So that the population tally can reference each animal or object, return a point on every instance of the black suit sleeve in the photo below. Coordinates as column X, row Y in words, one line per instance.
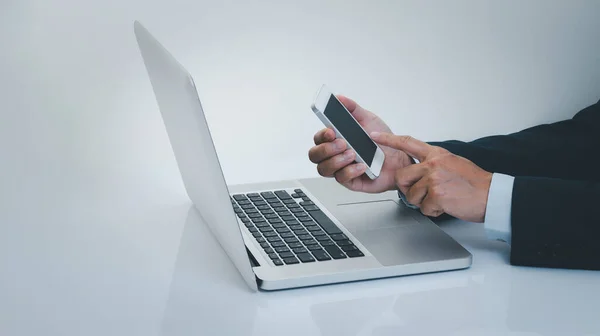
column 555, row 217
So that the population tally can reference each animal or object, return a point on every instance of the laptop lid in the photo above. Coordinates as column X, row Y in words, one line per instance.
column 193, row 148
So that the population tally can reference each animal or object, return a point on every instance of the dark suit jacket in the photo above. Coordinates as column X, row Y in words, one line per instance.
column 555, row 216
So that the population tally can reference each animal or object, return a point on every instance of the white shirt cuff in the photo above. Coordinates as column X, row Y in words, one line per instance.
column 497, row 212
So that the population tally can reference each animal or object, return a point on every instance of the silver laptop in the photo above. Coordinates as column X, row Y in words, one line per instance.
column 296, row 233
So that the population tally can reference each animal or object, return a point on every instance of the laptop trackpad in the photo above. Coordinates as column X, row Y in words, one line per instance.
column 387, row 230
column 368, row 216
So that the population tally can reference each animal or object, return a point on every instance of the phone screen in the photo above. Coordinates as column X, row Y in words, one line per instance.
column 350, row 129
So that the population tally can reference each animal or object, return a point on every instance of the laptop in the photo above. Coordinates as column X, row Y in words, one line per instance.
column 296, row 233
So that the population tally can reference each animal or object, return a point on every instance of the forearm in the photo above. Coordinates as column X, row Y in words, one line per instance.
column 546, row 150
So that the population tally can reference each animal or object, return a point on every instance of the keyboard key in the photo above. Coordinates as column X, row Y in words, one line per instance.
column 311, row 208
column 260, row 240
column 314, row 247
column 299, row 191
column 326, row 223
column 354, row 254
column 305, row 199
column 267, row 194
column 305, row 219
column 250, row 211
column 300, row 232
column 277, row 262
column 267, row 212
column 300, row 250
column 279, row 208
column 295, row 227
column 271, row 216
column 323, row 239
column 274, row 239
column 289, row 201
column 288, row 218
column 238, row 210
column 290, row 261
column 264, row 207
column 282, row 249
column 318, row 233
column 273, row 201
column 313, row 228
column 257, row 220
column 271, row 234
column 296, row 210
column 275, row 221
column 278, row 224
column 264, row 245
column 282, row 194
column 248, row 224
column 293, row 206
column 265, row 229
column 246, row 220
column 327, row 243
column 247, row 206
column 296, row 195
column 344, row 242
column 321, row 255
column 335, row 252
column 256, row 234
column 260, row 203
column 340, row 236
column 278, row 244
column 269, row 250
column 287, row 235
column 305, row 237
column 295, row 245
column 293, row 222
column 283, row 230
column 252, row 229
column 291, row 240
column 262, row 224
column 286, row 255
column 239, row 197
column 255, row 215
column 305, row 203
column 253, row 195
column 273, row 256
column 305, row 257
column 310, row 242
column 349, row 248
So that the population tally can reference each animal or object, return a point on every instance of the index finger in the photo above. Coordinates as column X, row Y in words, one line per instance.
column 411, row 146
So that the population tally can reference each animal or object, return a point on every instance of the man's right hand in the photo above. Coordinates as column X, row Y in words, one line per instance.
column 334, row 159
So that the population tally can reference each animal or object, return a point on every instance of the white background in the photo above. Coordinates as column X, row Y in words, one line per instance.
column 77, row 110
column 95, row 234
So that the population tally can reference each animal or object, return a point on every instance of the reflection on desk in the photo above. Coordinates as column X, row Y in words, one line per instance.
column 207, row 296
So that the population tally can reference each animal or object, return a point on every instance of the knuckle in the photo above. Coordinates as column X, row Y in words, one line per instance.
column 405, row 139
column 437, row 191
column 435, row 177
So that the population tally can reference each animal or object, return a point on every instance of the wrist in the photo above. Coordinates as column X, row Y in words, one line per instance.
column 486, row 182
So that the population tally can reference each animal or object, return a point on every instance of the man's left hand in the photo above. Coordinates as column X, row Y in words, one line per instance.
column 442, row 182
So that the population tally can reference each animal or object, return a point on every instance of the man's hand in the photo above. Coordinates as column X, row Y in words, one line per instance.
column 441, row 182
column 333, row 159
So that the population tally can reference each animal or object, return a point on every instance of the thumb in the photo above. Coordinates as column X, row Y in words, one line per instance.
column 405, row 143
column 359, row 113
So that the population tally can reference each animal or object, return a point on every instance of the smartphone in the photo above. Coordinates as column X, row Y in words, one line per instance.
column 334, row 115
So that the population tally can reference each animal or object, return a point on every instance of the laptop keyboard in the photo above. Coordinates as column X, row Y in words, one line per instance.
column 291, row 229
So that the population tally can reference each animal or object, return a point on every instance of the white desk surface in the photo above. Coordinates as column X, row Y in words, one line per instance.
column 127, row 267
column 96, row 236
